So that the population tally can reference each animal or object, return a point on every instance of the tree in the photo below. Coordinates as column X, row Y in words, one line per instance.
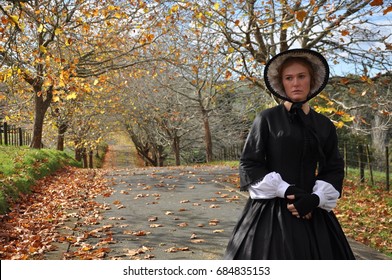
column 368, row 105
column 156, row 118
column 342, row 30
column 48, row 45
column 199, row 68
column 355, row 33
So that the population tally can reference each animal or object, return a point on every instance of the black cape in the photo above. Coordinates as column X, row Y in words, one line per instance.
column 302, row 149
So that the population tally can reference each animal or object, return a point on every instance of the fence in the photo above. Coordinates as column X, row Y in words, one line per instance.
column 363, row 158
column 13, row 136
column 359, row 156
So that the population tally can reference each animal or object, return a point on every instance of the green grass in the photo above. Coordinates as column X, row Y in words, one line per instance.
column 232, row 163
column 379, row 178
column 20, row 167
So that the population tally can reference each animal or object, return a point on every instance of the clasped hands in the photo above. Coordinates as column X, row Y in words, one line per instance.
column 300, row 203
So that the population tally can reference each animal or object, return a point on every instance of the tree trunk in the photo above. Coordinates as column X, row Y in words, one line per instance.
column 90, row 159
column 41, row 106
column 84, row 158
column 78, row 152
column 60, row 137
column 379, row 137
column 207, row 136
column 176, row 149
column 160, row 155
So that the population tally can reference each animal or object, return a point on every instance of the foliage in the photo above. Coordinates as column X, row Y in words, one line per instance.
column 28, row 232
column 77, row 58
column 57, row 50
column 20, row 167
column 365, row 215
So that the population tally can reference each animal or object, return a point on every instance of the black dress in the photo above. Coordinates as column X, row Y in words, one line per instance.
column 302, row 149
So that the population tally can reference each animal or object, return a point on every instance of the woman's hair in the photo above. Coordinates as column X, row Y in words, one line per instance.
column 301, row 60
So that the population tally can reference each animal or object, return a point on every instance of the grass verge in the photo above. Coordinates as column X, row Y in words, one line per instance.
column 20, row 167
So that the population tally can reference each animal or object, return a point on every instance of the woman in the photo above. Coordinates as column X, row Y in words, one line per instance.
column 293, row 171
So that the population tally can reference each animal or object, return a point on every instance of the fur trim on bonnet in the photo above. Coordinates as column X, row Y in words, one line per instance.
column 319, row 65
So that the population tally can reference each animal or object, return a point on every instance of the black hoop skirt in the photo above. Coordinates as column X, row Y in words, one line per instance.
column 267, row 230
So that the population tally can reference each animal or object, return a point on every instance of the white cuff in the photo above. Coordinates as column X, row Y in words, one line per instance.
column 327, row 193
column 271, row 186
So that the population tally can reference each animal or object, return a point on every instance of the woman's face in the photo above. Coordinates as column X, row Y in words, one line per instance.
column 296, row 81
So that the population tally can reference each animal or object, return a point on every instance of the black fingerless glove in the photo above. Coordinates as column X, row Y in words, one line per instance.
column 306, row 204
column 297, row 192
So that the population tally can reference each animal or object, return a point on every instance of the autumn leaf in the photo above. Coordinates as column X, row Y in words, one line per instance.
column 42, row 49
column 345, row 32
column 150, row 37
column 141, row 233
column 41, row 28
column 183, row 224
column 30, row 234
column 300, row 15
column 194, row 236
column 376, row 3
column 213, row 222
column 152, row 219
column 156, row 225
column 387, row 10
column 344, row 81
column 197, row 241
column 71, row 96
column 171, row 250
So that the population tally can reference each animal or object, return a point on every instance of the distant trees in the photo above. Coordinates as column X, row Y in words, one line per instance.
column 49, row 46
column 182, row 77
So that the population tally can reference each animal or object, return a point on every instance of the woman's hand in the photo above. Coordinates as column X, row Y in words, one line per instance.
column 294, row 211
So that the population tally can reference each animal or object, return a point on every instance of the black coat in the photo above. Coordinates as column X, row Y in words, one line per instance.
column 281, row 142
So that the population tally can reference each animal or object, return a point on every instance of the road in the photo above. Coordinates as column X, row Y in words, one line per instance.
column 166, row 213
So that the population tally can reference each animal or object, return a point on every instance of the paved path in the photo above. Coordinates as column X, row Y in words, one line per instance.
column 172, row 213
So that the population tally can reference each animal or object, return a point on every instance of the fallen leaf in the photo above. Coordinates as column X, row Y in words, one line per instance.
column 156, row 225
column 171, row 250
column 183, row 225
column 193, row 236
column 197, row 241
column 153, row 219
column 141, row 233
